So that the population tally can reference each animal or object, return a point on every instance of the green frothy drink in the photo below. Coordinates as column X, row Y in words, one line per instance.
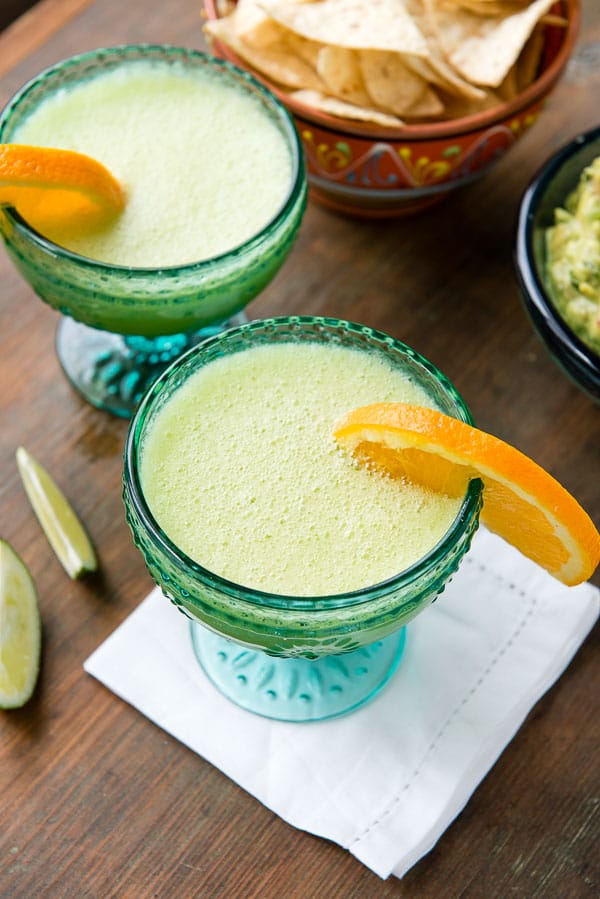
column 240, row 470
column 203, row 164
column 253, row 522
column 216, row 190
column 215, row 184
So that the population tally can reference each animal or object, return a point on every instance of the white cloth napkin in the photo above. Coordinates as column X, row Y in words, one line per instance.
column 384, row 781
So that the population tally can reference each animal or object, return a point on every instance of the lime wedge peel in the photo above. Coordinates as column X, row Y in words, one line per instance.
column 20, row 630
column 62, row 527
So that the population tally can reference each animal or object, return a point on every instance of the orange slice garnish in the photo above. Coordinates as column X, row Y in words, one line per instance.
column 521, row 502
column 48, row 186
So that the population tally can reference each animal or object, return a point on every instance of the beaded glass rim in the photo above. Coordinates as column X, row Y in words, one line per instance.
column 466, row 517
column 139, row 52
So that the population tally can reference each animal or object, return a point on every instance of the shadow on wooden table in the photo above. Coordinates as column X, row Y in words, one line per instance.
column 12, row 9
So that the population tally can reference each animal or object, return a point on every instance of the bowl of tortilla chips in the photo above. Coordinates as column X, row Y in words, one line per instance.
column 399, row 102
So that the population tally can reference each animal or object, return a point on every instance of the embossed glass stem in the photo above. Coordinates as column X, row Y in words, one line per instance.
column 364, row 621
column 147, row 302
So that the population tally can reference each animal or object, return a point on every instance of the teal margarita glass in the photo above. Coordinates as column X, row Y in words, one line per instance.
column 295, row 658
column 123, row 325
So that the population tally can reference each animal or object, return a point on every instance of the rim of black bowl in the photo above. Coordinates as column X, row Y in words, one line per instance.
column 538, row 301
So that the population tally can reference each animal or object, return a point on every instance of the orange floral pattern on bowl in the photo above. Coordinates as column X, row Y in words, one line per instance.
column 403, row 175
column 365, row 170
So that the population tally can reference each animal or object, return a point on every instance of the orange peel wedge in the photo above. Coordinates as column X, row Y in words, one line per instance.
column 522, row 502
column 49, row 186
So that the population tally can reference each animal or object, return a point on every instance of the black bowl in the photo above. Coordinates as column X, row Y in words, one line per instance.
column 549, row 189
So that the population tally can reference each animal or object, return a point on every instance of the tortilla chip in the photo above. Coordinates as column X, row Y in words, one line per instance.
column 224, row 7
column 340, row 70
column 483, row 50
column 277, row 63
column 335, row 107
column 528, row 63
column 435, row 68
column 459, row 107
column 508, row 90
column 488, row 7
column 303, row 48
column 387, row 61
column 395, row 88
column 254, row 26
column 357, row 24
column 428, row 106
column 441, row 75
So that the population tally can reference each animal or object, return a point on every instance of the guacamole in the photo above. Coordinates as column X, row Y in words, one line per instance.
column 573, row 258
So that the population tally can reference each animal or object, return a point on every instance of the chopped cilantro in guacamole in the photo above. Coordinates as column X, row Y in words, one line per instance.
column 573, row 258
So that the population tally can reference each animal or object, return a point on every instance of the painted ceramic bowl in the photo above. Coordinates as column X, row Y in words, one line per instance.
column 375, row 172
column 547, row 191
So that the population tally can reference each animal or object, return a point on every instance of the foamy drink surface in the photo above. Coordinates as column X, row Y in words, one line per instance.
column 204, row 166
column 240, row 470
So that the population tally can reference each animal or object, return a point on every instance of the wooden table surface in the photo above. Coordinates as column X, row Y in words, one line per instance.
column 96, row 801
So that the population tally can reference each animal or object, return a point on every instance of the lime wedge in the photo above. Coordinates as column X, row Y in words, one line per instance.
column 66, row 534
column 20, row 630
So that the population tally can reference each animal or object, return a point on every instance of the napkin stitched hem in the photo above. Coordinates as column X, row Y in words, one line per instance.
column 488, row 652
column 439, row 737
column 368, row 843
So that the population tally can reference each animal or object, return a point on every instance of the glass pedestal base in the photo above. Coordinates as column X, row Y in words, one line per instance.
column 112, row 371
column 296, row 689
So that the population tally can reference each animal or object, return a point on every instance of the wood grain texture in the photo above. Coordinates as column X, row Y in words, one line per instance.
column 98, row 802
column 30, row 29
column 12, row 9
